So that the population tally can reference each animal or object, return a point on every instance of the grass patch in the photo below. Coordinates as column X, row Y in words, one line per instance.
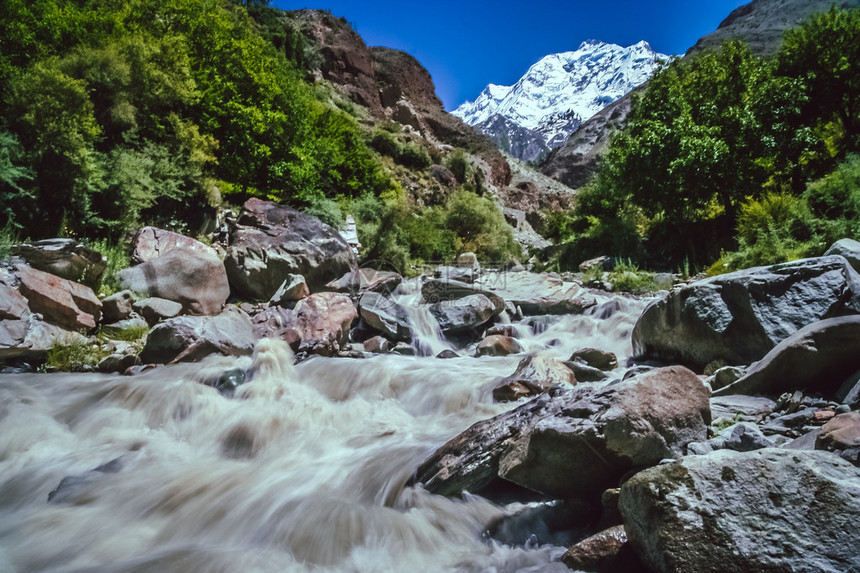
column 74, row 357
column 116, row 257
column 626, row 277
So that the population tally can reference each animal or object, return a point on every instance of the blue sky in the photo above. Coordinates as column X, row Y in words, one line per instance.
column 468, row 44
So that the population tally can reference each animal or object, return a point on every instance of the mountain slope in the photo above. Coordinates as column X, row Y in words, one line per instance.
column 557, row 94
column 760, row 23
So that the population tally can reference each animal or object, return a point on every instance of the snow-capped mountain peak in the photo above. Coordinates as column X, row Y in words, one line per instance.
column 557, row 94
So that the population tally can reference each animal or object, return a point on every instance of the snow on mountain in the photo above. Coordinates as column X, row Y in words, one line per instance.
column 557, row 94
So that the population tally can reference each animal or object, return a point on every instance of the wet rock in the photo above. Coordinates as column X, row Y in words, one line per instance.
column 467, row 313
column 446, row 354
column 154, row 309
column 65, row 258
column 753, row 511
column 117, row 306
column 118, row 362
column 534, row 375
column 293, row 289
column 538, row 293
column 378, row 345
column 152, row 242
column 739, row 317
column 596, row 358
column 75, row 489
column 585, row 373
column 272, row 241
column 816, row 358
column 386, row 316
column 848, row 248
column 547, row 443
column 191, row 338
column 229, row 381
column 603, row 551
column 196, row 279
column 319, row 324
column 497, row 345
column 66, row 303
column 403, row 349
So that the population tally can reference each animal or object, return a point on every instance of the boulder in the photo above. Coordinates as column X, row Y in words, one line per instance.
column 117, row 306
column 378, row 281
column 66, row 303
column 152, row 242
column 849, row 392
column 768, row 510
column 461, row 274
column 595, row 358
column 840, row 433
column 272, row 241
column 603, row 262
column 498, row 345
column 603, row 551
column 848, row 248
column 196, row 279
column 816, row 358
column 115, row 329
column 756, row 407
column 465, row 313
column 574, row 444
column 154, row 309
column 191, row 338
column 538, row 293
column 294, row 288
column 438, row 290
column 386, row 316
column 378, row 345
column 534, row 375
column 468, row 260
column 739, row 317
column 118, row 362
column 584, row 372
column 65, row 258
column 319, row 324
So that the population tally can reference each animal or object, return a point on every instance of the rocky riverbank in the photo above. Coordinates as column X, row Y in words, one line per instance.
column 720, row 432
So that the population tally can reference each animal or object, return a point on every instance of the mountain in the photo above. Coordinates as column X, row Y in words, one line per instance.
column 558, row 93
column 760, row 24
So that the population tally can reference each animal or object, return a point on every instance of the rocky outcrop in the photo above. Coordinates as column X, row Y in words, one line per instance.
column 66, row 303
column 318, row 324
column 191, row 338
column 817, row 359
column 196, row 279
column 65, row 258
column 739, row 317
column 574, row 444
column 151, row 242
column 768, row 510
column 272, row 241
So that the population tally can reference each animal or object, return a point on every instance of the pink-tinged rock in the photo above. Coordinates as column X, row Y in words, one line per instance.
column 599, row 552
column 63, row 302
column 840, row 433
column 152, row 242
column 318, row 324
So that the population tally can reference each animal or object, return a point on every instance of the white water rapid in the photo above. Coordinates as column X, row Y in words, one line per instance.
column 302, row 471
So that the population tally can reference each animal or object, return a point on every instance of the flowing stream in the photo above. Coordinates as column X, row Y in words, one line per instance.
column 303, row 470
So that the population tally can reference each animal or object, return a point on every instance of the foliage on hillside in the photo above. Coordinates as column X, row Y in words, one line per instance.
column 117, row 113
column 720, row 150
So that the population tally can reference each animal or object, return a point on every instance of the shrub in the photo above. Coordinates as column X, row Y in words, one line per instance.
column 327, row 211
column 626, row 277
column 385, row 143
column 458, row 165
column 413, row 157
column 480, row 227
column 835, row 201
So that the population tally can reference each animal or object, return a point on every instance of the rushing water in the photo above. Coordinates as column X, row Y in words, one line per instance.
column 303, row 470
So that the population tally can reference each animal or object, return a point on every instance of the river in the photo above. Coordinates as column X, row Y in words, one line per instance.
column 303, row 470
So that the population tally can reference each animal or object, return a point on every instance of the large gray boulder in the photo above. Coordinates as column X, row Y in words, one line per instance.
column 386, row 316
column 272, row 241
column 191, row 338
column 537, row 293
column 195, row 279
column 574, row 444
column 465, row 313
column 768, row 510
column 848, row 248
column 436, row 290
column 817, row 359
column 738, row 317
column 65, row 258
column 151, row 242
column 318, row 324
